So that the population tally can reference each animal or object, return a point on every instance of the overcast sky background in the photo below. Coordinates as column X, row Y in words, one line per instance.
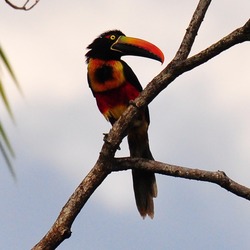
column 201, row 121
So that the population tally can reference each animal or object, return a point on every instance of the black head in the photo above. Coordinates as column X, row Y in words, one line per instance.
column 101, row 46
column 111, row 45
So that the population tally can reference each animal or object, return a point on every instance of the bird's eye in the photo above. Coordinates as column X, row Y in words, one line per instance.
column 112, row 37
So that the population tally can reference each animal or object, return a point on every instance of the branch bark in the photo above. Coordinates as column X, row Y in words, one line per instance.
column 61, row 228
column 192, row 30
column 217, row 177
column 106, row 162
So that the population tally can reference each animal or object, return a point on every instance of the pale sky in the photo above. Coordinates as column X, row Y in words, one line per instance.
column 200, row 121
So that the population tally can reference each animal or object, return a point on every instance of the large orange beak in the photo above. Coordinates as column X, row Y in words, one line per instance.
column 137, row 47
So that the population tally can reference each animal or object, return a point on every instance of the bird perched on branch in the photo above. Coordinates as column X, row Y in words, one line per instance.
column 114, row 85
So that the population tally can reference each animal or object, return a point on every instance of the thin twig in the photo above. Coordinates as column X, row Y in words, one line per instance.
column 238, row 36
column 192, row 30
column 24, row 6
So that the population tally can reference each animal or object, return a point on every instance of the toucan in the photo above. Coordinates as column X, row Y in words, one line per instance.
column 114, row 85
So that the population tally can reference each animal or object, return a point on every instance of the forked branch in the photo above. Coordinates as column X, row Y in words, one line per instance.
column 26, row 6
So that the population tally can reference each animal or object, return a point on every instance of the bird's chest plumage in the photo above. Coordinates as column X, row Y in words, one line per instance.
column 105, row 75
column 110, row 87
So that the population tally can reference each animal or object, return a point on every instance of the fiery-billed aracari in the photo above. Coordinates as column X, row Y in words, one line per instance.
column 114, row 85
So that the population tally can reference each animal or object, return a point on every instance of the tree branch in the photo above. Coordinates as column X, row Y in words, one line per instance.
column 239, row 35
column 24, row 6
column 61, row 228
column 192, row 30
column 177, row 67
column 106, row 162
column 218, row 177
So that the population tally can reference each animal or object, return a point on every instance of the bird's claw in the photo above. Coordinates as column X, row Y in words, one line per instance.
column 132, row 102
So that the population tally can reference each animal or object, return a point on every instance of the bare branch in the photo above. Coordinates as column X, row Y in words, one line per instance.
column 192, row 30
column 177, row 67
column 237, row 36
column 218, row 177
column 61, row 228
column 24, row 6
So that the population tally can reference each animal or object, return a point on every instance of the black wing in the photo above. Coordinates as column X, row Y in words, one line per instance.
column 132, row 78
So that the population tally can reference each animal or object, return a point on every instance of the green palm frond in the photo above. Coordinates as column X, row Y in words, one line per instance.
column 6, row 63
column 4, row 142
column 5, row 100
column 6, row 149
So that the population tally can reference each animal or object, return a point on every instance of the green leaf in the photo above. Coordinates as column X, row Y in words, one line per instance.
column 6, row 140
column 4, row 153
column 6, row 149
column 7, row 160
column 5, row 100
column 9, row 69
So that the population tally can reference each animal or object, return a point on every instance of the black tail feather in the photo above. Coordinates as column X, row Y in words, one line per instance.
column 144, row 182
